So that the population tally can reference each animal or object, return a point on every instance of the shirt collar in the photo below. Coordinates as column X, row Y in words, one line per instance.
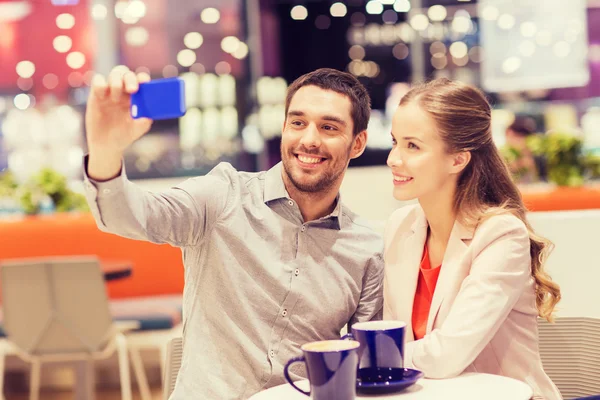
column 274, row 189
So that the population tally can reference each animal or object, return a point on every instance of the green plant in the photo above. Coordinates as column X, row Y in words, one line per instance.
column 45, row 184
column 8, row 184
column 513, row 157
column 592, row 164
column 564, row 157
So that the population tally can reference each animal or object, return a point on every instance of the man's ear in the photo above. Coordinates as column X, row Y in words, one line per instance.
column 460, row 161
column 359, row 144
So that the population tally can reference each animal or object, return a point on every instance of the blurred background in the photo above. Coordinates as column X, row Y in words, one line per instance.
column 539, row 66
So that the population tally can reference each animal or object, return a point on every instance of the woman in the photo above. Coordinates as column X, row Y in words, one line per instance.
column 464, row 269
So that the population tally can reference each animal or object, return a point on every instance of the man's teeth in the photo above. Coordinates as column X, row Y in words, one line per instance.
column 401, row 178
column 309, row 160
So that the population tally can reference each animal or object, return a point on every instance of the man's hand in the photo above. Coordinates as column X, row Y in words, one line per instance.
column 109, row 126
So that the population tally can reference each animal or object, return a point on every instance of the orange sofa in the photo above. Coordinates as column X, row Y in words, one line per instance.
column 156, row 269
column 561, row 198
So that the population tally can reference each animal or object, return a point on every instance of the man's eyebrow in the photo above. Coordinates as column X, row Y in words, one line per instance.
column 334, row 119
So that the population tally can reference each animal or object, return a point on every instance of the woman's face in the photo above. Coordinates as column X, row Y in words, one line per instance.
column 420, row 165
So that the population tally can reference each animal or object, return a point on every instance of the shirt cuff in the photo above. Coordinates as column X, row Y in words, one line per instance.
column 108, row 188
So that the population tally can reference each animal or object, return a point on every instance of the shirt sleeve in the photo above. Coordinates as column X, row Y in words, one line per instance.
column 180, row 216
column 370, row 306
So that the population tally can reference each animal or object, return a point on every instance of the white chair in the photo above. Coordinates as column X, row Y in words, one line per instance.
column 56, row 310
column 172, row 366
column 151, row 338
column 570, row 351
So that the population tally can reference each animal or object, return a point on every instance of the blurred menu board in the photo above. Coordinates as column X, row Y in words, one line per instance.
column 533, row 44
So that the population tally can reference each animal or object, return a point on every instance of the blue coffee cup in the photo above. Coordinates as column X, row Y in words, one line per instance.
column 331, row 366
column 381, row 343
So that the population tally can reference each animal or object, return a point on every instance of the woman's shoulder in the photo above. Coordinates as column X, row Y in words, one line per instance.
column 501, row 226
column 503, row 222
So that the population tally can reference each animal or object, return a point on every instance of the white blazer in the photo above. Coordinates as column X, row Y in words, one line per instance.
column 483, row 315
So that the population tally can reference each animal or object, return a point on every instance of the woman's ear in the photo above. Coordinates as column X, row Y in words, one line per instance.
column 460, row 161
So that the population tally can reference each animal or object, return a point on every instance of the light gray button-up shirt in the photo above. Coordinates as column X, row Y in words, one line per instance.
column 259, row 281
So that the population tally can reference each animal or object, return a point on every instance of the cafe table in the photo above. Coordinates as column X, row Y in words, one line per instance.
column 468, row 386
column 114, row 270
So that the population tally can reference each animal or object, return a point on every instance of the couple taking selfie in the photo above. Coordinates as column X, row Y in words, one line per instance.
column 274, row 260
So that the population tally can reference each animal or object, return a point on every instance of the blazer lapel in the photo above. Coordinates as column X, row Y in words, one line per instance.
column 454, row 252
column 406, row 275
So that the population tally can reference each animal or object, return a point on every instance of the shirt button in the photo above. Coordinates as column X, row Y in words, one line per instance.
column 296, row 272
column 303, row 228
column 106, row 191
column 291, row 203
column 272, row 354
column 284, row 313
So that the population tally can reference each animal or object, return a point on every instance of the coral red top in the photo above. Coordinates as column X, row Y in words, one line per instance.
column 425, row 287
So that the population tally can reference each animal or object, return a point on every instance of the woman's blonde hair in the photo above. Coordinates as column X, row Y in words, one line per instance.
column 485, row 187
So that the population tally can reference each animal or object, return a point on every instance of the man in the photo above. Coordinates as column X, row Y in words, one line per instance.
column 526, row 167
column 272, row 259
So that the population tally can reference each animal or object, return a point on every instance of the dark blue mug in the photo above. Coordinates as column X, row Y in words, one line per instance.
column 381, row 343
column 331, row 366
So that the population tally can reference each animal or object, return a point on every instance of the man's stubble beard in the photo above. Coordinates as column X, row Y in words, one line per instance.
column 328, row 179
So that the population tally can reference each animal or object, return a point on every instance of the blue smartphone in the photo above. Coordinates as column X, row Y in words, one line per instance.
column 159, row 99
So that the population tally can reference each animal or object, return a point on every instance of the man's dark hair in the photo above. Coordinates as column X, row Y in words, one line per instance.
column 340, row 82
column 523, row 125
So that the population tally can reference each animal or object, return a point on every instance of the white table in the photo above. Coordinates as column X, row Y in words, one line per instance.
column 468, row 386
